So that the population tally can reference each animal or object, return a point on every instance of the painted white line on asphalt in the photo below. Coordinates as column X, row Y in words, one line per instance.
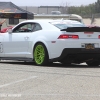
column 8, row 84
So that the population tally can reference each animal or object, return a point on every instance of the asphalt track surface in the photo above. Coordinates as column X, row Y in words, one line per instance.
column 25, row 81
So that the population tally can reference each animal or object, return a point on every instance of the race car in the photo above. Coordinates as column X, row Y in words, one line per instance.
column 44, row 41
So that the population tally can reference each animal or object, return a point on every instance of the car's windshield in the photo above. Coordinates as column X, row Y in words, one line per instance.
column 63, row 26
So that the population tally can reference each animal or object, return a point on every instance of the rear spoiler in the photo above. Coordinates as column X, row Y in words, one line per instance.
column 82, row 29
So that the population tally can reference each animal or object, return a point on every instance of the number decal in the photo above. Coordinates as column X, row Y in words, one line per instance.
column 1, row 48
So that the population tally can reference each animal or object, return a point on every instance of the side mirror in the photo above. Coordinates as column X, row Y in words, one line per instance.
column 9, row 31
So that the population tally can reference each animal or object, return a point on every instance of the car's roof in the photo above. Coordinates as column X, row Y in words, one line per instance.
column 52, row 21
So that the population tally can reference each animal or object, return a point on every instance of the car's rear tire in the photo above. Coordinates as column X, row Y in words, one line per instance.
column 40, row 54
column 93, row 63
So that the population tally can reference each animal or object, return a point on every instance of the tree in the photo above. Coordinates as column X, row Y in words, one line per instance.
column 65, row 7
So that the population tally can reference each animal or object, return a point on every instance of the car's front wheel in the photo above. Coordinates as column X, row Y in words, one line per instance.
column 40, row 54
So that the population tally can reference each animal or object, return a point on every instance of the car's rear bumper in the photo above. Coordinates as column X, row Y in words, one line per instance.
column 78, row 55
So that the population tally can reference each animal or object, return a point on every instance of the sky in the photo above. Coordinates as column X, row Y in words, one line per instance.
column 50, row 2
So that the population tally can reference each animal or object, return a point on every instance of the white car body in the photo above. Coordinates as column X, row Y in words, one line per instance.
column 20, row 45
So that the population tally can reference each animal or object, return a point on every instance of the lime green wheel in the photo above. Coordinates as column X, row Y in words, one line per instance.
column 40, row 54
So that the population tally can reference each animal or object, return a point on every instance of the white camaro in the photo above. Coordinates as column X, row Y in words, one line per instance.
column 45, row 41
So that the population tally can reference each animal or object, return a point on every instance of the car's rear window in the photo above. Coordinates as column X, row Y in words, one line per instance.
column 63, row 26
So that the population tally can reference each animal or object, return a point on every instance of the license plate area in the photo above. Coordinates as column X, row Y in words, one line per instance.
column 89, row 46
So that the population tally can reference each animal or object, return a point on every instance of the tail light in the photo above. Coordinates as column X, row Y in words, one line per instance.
column 99, row 37
column 65, row 36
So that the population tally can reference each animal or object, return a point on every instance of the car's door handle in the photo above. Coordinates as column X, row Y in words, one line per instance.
column 26, row 38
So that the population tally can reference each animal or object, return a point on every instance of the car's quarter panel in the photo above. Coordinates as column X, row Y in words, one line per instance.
column 44, row 37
